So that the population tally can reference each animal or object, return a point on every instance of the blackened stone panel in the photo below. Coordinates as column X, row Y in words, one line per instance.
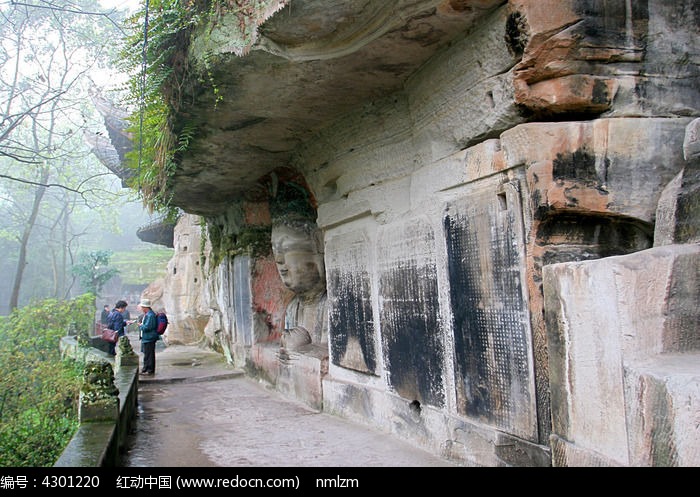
column 243, row 300
column 350, row 321
column 411, row 333
column 493, row 352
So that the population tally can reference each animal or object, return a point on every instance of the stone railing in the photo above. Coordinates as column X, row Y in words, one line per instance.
column 108, row 402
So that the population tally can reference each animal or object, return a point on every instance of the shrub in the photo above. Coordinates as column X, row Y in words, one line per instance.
column 39, row 390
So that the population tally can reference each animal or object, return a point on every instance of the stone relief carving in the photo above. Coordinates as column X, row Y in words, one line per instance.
column 297, row 246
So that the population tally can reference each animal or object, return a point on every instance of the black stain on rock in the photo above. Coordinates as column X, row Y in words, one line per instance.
column 601, row 95
column 351, row 319
column 411, row 332
column 517, row 33
column 490, row 330
column 576, row 166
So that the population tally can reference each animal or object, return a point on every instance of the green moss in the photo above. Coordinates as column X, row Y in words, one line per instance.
column 165, row 75
column 98, row 382
column 253, row 240
column 229, row 235
column 250, row 240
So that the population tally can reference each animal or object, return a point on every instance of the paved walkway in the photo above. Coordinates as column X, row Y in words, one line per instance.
column 198, row 411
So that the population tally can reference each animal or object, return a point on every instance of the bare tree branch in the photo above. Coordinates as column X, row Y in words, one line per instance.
column 52, row 6
column 35, row 183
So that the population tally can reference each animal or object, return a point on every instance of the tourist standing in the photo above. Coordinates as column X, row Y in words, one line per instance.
column 104, row 315
column 149, row 338
column 115, row 321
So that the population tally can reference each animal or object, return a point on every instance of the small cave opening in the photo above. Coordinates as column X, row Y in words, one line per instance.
column 415, row 408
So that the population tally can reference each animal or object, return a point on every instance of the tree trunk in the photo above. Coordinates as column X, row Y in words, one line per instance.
column 22, row 260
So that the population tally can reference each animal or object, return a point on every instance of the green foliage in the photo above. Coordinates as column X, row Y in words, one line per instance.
column 39, row 391
column 291, row 199
column 93, row 271
column 162, row 77
column 139, row 266
column 155, row 91
column 253, row 240
column 250, row 239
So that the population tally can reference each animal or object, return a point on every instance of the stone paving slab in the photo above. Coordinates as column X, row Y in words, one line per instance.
column 198, row 411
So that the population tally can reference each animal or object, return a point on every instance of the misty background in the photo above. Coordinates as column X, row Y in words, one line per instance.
column 60, row 198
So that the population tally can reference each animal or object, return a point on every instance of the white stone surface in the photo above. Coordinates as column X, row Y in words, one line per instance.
column 616, row 323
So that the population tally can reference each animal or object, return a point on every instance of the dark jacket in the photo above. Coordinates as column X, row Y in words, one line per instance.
column 148, row 328
column 115, row 321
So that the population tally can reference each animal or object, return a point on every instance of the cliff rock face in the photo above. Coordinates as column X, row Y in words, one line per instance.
column 181, row 292
column 508, row 195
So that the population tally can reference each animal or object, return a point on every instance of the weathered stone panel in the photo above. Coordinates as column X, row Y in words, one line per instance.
column 623, row 352
column 493, row 352
column 464, row 95
column 376, row 133
column 412, row 335
column 616, row 166
column 679, row 206
column 670, row 75
column 664, row 411
column 243, row 300
column 351, row 321
column 587, row 56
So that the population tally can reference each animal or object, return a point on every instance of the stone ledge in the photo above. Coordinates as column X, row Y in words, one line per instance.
column 297, row 374
column 93, row 445
column 99, row 444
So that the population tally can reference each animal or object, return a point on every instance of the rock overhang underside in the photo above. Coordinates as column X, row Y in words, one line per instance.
column 312, row 62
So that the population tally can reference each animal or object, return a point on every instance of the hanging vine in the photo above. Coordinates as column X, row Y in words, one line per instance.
column 161, row 75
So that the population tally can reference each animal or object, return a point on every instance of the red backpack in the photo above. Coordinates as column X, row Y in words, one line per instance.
column 161, row 322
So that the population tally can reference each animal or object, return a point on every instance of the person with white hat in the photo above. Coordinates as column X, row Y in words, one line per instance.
column 149, row 337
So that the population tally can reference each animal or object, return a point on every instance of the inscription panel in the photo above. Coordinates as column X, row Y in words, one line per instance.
column 412, row 337
column 242, row 300
column 350, row 320
column 493, row 352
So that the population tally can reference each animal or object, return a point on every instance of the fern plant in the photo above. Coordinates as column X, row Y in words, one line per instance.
column 158, row 60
